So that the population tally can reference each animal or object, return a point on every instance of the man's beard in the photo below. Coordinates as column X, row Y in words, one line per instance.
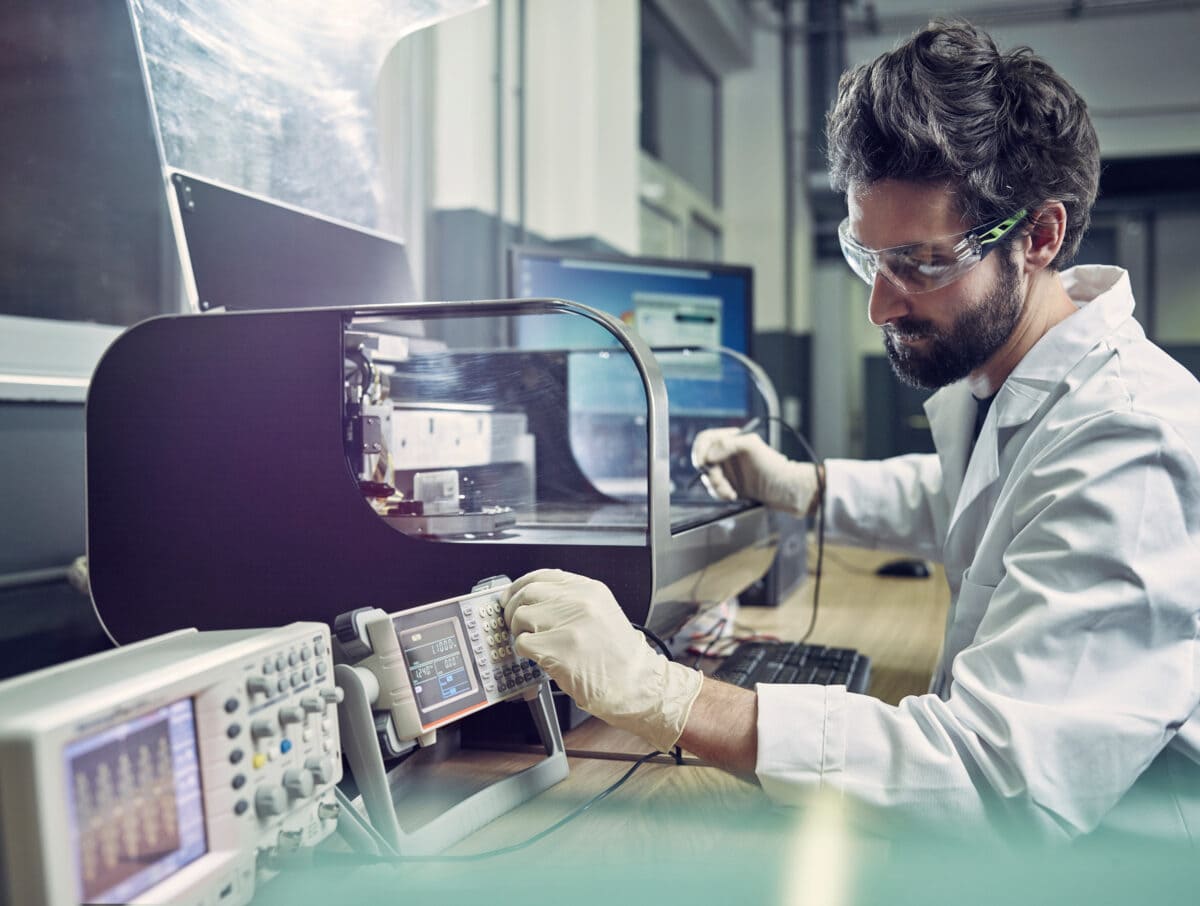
column 946, row 356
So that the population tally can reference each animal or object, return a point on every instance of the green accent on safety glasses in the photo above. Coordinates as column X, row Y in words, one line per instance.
column 1002, row 229
column 921, row 267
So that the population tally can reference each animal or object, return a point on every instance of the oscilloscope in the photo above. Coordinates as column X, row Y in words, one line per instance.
column 164, row 771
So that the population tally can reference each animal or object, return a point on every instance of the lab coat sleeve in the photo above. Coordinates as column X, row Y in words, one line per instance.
column 894, row 503
column 1084, row 664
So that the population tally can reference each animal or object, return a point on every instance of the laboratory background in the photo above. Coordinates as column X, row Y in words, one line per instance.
column 661, row 162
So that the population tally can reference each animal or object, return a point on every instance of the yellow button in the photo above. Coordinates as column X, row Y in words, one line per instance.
column 259, row 760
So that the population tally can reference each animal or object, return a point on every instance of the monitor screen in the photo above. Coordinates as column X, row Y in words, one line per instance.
column 667, row 303
column 134, row 803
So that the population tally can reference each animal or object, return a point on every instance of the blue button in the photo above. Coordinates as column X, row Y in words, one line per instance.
column 285, row 746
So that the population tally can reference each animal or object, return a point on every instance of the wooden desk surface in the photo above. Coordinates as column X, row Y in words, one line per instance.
column 898, row 622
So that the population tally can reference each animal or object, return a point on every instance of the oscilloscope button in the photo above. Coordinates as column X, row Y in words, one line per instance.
column 239, row 807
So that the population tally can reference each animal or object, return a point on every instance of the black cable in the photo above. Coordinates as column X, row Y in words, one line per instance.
column 333, row 858
column 659, row 643
column 819, row 465
column 715, row 636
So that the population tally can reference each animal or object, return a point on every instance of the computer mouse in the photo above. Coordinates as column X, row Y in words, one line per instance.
column 906, row 568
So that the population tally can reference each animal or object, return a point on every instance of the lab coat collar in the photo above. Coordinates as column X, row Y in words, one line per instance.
column 1105, row 303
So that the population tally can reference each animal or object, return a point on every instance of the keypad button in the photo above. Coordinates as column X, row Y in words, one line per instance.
column 321, row 668
column 285, row 746
column 239, row 781
column 231, row 705
column 268, row 666
column 308, row 674
column 239, row 807
column 283, row 684
column 280, row 662
column 319, row 645
column 305, row 653
column 233, row 730
column 235, row 756
column 296, row 680
column 292, row 659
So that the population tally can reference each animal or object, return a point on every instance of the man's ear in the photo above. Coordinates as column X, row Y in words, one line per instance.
column 1048, row 227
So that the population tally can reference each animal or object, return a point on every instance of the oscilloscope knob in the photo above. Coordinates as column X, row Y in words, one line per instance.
column 270, row 800
column 298, row 783
column 320, row 768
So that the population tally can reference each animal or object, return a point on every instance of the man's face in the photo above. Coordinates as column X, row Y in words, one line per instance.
column 939, row 337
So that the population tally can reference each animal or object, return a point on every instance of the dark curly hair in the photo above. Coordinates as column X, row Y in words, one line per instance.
column 1005, row 130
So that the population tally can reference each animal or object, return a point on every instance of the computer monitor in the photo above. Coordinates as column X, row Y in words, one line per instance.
column 668, row 303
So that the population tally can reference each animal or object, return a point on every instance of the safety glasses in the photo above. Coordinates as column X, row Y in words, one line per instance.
column 925, row 266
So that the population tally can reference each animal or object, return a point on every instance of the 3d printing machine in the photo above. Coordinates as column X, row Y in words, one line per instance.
column 261, row 467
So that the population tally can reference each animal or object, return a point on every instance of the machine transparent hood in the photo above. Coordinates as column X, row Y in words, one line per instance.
column 535, row 425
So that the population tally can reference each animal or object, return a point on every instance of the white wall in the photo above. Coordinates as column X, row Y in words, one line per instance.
column 581, row 117
column 752, row 180
column 463, row 115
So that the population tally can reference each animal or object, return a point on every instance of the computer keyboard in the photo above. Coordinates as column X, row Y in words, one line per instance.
column 794, row 662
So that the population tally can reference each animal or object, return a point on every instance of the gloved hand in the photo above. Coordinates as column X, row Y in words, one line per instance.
column 737, row 465
column 574, row 629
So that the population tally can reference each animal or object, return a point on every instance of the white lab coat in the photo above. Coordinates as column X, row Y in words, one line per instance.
column 1067, row 691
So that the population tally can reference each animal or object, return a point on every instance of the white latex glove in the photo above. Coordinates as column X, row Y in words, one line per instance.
column 574, row 629
column 737, row 465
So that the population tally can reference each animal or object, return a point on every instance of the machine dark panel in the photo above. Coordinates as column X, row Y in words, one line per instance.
column 248, row 252
column 220, row 496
